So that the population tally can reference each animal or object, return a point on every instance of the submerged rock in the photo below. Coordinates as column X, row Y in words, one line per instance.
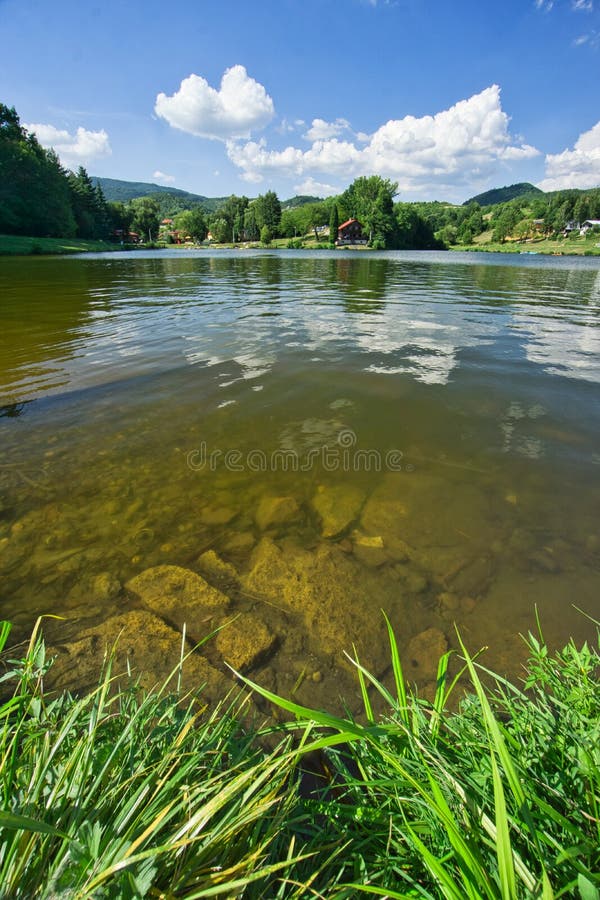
column 217, row 515
column 105, row 586
column 338, row 507
column 474, row 578
column 217, row 571
column 369, row 550
column 424, row 651
column 245, row 642
column 333, row 594
column 239, row 542
column 181, row 596
column 143, row 645
column 273, row 512
column 430, row 518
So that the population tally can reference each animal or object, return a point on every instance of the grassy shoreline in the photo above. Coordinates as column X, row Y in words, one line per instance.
column 560, row 246
column 17, row 245
column 120, row 794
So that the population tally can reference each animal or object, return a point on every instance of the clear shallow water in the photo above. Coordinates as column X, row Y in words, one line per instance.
column 447, row 405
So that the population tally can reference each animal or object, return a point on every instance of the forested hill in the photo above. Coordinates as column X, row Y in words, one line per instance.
column 504, row 194
column 122, row 191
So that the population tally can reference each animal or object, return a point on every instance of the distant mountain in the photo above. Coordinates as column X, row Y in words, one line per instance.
column 172, row 200
column 114, row 189
column 299, row 200
column 122, row 191
column 503, row 194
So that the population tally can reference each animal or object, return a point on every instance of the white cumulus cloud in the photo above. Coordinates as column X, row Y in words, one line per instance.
column 73, row 149
column 312, row 188
column 162, row 176
column 458, row 146
column 239, row 107
column 576, row 168
column 320, row 130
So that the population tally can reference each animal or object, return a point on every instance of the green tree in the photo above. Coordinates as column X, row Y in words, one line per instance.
column 334, row 223
column 220, row 230
column 251, row 229
column 506, row 222
column 34, row 191
column 146, row 217
column 232, row 211
column 371, row 201
column 192, row 222
column 120, row 217
column 265, row 235
column 89, row 206
column 267, row 210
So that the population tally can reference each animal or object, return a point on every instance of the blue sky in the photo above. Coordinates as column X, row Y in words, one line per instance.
column 301, row 96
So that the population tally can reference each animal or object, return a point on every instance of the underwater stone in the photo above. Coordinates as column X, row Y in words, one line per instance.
column 369, row 550
column 239, row 542
column 245, row 642
column 217, row 570
column 173, row 589
column 424, row 651
column 274, row 512
column 105, row 586
column 217, row 515
column 145, row 644
column 338, row 507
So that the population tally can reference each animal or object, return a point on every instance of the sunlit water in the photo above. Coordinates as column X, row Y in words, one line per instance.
column 447, row 405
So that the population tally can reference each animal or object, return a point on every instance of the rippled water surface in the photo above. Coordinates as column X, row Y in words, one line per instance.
column 428, row 422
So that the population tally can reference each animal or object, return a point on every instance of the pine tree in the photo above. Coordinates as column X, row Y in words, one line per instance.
column 334, row 224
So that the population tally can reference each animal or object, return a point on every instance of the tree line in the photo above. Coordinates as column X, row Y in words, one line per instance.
column 522, row 218
column 39, row 197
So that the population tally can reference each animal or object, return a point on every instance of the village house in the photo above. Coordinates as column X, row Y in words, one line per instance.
column 126, row 237
column 588, row 225
column 350, row 232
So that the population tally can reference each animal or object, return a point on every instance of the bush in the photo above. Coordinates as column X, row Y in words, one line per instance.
column 265, row 235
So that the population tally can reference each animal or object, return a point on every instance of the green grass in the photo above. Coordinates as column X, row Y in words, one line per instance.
column 576, row 246
column 16, row 245
column 118, row 794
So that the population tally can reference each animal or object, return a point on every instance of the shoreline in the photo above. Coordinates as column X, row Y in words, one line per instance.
column 20, row 245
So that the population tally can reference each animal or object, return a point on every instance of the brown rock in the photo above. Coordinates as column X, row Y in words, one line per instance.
column 217, row 571
column 338, row 507
column 423, row 653
column 474, row 578
column 273, row 512
column 545, row 561
column 217, row 515
column 144, row 645
column 105, row 586
column 244, row 642
column 448, row 602
column 369, row 550
column 239, row 542
column 330, row 591
column 180, row 596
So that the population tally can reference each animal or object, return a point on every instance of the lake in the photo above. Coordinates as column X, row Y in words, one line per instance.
column 321, row 436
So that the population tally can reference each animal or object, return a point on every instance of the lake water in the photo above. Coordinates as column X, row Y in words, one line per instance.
column 415, row 433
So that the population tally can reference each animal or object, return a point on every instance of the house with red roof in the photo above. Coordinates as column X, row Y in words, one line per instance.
column 350, row 232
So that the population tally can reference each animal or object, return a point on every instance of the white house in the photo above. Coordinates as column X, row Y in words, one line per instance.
column 588, row 225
